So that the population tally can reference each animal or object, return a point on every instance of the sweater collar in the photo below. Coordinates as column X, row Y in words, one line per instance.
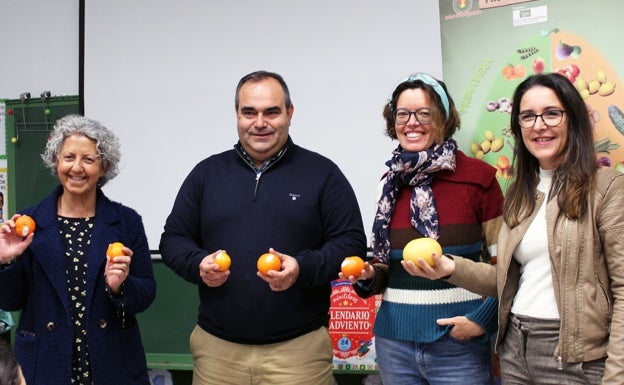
column 267, row 163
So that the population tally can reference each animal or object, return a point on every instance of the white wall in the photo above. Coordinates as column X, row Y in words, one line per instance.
column 162, row 75
column 39, row 47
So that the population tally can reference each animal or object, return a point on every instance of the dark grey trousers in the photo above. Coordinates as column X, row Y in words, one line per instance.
column 527, row 356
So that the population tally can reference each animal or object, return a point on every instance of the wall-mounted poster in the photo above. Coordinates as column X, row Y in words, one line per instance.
column 489, row 47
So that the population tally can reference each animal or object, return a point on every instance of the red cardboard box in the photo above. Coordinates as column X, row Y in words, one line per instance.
column 351, row 328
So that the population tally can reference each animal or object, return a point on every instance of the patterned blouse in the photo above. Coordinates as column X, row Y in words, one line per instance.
column 76, row 234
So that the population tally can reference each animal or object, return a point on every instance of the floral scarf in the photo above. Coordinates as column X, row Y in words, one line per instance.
column 415, row 169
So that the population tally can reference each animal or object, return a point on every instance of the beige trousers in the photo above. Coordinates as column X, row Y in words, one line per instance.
column 305, row 360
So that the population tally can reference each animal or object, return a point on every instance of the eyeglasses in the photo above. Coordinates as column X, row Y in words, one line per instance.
column 551, row 118
column 422, row 115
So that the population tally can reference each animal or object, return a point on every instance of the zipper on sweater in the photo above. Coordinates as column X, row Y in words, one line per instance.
column 256, row 171
column 559, row 363
column 255, row 194
column 262, row 170
column 259, row 174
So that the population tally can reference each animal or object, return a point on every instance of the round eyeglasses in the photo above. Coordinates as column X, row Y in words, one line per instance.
column 551, row 118
column 403, row 115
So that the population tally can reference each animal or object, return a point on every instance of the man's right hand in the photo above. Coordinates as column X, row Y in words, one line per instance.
column 209, row 271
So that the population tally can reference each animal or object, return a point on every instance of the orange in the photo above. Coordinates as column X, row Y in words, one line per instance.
column 115, row 249
column 352, row 266
column 24, row 225
column 509, row 72
column 268, row 261
column 519, row 71
column 223, row 260
column 422, row 248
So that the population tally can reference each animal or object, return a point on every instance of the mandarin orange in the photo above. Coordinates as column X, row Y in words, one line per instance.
column 223, row 260
column 267, row 262
column 24, row 225
column 115, row 249
column 352, row 266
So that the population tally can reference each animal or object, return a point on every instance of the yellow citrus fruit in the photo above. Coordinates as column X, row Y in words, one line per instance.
column 223, row 260
column 115, row 249
column 422, row 248
column 352, row 266
column 24, row 225
column 268, row 261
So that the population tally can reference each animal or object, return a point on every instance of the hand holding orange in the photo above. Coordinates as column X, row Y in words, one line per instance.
column 422, row 248
column 267, row 262
column 115, row 249
column 24, row 225
column 352, row 266
column 223, row 260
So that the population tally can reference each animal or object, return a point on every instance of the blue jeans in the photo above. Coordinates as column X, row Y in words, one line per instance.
column 447, row 361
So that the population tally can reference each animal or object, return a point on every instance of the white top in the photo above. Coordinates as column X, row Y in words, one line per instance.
column 536, row 296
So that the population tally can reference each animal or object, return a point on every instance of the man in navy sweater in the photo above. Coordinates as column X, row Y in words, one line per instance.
column 265, row 195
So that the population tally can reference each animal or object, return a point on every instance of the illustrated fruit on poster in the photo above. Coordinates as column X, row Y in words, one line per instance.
column 598, row 85
column 570, row 71
column 617, row 118
column 501, row 105
column 509, row 72
column 514, row 71
column 563, row 51
column 550, row 51
column 489, row 143
column 538, row 65
column 597, row 82
column 520, row 71
column 503, row 167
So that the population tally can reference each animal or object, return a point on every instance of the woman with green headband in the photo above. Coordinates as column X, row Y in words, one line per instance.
column 431, row 332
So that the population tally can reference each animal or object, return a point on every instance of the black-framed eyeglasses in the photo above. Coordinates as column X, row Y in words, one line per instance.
column 551, row 118
column 422, row 115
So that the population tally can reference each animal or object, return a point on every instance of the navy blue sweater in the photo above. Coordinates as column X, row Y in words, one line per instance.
column 302, row 205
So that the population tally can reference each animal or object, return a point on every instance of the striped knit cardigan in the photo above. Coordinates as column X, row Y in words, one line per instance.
column 469, row 203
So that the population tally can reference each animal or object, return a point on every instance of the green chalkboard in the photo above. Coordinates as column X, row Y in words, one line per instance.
column 167, row 324
column 28, row 123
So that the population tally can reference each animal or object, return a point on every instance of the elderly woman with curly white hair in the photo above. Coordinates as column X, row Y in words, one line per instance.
column 77, row 323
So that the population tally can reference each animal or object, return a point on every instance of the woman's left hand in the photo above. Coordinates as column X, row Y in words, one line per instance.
column 463, row 328
column 117, row 271
column 443, row 267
